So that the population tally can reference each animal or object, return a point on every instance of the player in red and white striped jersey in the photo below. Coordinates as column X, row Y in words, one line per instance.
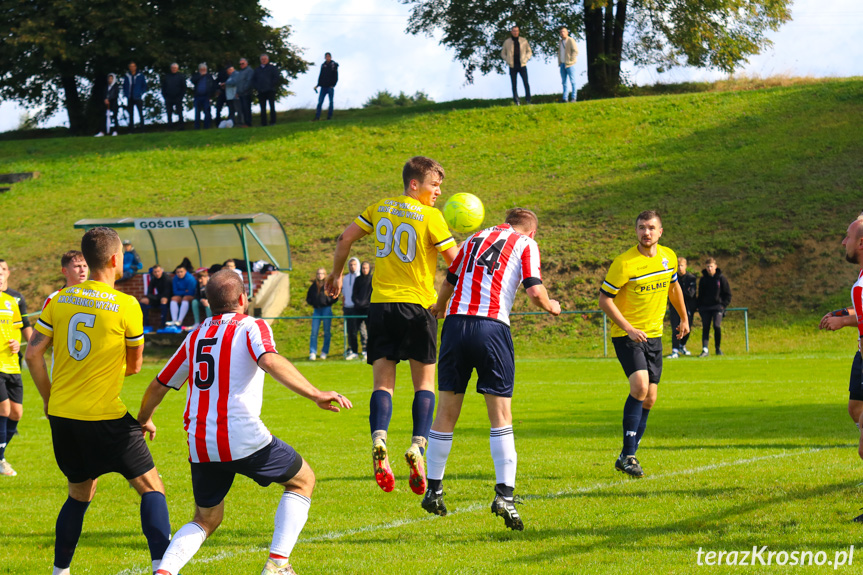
column 224, row 361
column 477, row 297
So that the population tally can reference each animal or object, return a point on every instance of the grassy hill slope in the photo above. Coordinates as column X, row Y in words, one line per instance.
column 765, row 180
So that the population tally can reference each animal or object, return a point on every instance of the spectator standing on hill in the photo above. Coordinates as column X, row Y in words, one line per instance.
column 327, row 80
column 231, row 101
column 714, row 295
column 221, row 97
column 516, row 52
column 242, row 80
column 567, row 54
column 112, row 93
column 173, row 91
column 362, row 297
column 183, row 289
column 134, row 88
column 158, row 293
column 323, row 313
column 689, row 284
column 204, row 87
column 201, row 299
column 348, row 285
column 267, row 79
column 131, row 261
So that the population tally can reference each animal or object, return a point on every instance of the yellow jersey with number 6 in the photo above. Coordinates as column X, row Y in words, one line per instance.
column 92, row 325
column 408, row 236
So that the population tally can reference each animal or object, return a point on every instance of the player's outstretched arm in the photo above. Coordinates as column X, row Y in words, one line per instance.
column 285, row 373
column 607, row 305
column 153, row 396
column 134, row 359
column 838, row 318
column 539, row 297
column 333, row 283
column 35, row 356
column 675, row 296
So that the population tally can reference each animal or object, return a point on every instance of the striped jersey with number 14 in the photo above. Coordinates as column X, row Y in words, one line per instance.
column 226, row 386
column 487, row 270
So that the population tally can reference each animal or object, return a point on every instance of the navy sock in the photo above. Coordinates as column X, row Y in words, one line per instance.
column 155, row 523
column 3, row 436
column 423, row 414
column 145, row 310
column 69, row 524
column 641, row 426
column 11, row 430
column 164, row 309
column 631, row 419
column 380, row 410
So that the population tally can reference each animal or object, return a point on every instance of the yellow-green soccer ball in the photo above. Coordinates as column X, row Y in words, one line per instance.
column 464, row 212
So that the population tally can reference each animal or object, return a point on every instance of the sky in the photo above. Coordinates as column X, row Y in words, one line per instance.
column 368, row 40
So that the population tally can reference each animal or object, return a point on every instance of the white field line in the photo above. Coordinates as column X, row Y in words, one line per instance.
column 334, row 535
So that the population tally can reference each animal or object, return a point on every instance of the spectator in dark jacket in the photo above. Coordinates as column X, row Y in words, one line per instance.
column 242, row 80
column 221, row 98
column 267, row 79
column 204, row 87
column 362, row 297
column 714, row 295
column 112, row 94
column 173, row 91
column 184, row 288
column 323, row 312
column 157, row 293
column 327, row 80
column 134, row 88
column 201, row 297
column 689, row 284
column 131, row 261
column 349, row 308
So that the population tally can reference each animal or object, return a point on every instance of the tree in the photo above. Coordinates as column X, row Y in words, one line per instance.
column 57, row 53
column 719, row 34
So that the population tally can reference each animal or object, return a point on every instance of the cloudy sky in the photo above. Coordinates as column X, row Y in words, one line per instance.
column 367, row 39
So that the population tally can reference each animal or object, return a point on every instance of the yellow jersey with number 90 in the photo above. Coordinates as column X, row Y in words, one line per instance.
column 92, row 325
column 408, row 237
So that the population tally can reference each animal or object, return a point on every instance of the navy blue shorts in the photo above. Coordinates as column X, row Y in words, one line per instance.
column 855, row 385
column 276, row 463
column 636, row 356
column 470, row 342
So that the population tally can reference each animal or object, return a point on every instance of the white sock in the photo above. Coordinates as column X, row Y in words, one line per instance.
column 502, row 443
column 58, row 571
column 290, row 518
column 184, row 544
column 437, row 453
column 184, row 309
column 174, row 310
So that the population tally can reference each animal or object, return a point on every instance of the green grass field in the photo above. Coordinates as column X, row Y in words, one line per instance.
column 739, row 451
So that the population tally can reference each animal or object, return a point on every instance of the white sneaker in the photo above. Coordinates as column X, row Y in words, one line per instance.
column 323, row 356
column 673, row 355
column 113, row 133
column 272, row 569
column 6, row 469
column 704, row 352
column 685, row 351
column 365, row 356
column 312, row 357
column 99, row 135
column 351, row 356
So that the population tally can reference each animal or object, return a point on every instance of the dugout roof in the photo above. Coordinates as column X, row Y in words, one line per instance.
column 205, row 240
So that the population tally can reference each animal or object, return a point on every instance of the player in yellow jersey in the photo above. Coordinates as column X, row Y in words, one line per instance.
column 11, row 387
column 99, row 339
column 634, row 295
column 409, row 233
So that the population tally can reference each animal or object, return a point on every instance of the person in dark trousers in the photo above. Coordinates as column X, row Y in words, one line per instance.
column 327, row 80
column 362, row 297
column 159, row 291
column 134, row 88
column 266, row 81
column 112, row 94
column 714, row 296
column 348, row 283
column 323, row 313
column 221, row 97
column 689, row 285
column 173, row 91
column 204, row 87
column 516, row 52
column 243, row 78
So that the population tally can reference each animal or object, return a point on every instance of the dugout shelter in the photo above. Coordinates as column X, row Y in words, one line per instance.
column 205, row 240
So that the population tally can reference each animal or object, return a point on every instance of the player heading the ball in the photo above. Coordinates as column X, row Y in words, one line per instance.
column 634, row 295
column 409, row 232
column 224, row 361
column 477, row 297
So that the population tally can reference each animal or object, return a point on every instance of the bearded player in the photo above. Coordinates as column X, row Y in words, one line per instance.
column 634, row 295
column 409, row 234
column 477, row 297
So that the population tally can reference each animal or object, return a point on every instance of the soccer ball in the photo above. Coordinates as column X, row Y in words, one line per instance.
column 464, row 212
